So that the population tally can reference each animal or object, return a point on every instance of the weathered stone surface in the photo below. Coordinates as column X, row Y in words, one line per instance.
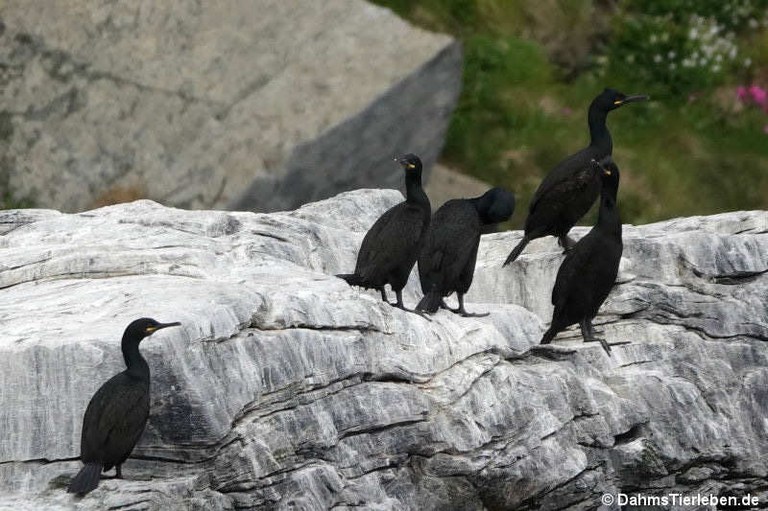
column 258, row 105
column 286, row 389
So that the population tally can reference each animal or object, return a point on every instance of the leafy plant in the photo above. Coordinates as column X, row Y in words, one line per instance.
column 674, row 47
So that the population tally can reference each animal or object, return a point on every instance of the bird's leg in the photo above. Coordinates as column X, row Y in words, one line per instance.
column 383, row 294
column 566, row 242
column 587, row 330
column 588, row 333
column 594, row 331
column 444, row 305
column 463, row 312
column 400, row 305
column 118, row 474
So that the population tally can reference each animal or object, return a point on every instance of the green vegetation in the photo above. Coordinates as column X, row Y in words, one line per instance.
column 532, row 67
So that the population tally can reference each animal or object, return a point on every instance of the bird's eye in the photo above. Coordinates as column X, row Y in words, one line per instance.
column 411, row 166
column 618, row 102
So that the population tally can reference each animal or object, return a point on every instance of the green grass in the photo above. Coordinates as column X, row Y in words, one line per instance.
column 522, row 110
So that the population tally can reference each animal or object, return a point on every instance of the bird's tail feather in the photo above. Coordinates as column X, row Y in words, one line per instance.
column 86, row 480
column 351, row 278
column 430, row 303
column 548, row 336
column 517, row 250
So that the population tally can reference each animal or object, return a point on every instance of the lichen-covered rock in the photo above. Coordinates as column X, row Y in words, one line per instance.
column 262, row 105
column 287, row 389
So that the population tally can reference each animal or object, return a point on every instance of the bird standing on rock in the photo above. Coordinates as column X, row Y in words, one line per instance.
column 589, row 270
column 570, row 189
column 391, row 246
column 447, row 259
column 117, row 413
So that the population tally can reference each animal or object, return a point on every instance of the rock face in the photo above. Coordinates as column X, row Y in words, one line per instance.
column 258, row 105
column 287, row 389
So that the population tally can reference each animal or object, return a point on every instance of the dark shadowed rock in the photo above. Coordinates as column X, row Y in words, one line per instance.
column 258, row 105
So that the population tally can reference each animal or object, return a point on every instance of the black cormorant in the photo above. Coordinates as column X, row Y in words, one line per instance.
column 589, row 270
column 391, row 246
column 447, row 259
column 118, row 411
column 570, row 189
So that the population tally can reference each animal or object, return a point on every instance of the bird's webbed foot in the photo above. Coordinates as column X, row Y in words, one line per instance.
column 413, row 311
column 464, row 314
column 461, row 311
column 399, row 305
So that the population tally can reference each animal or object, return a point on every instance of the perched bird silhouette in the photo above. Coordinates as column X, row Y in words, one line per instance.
column 589, row 269
column 391, row 246
column 117, row 413
column 570, row 189
column 447, row 259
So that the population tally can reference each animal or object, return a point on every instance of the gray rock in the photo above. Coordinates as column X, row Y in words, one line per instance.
column 287, row 389
column 258, row 105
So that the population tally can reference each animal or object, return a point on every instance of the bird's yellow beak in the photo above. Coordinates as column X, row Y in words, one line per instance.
column 153, row 329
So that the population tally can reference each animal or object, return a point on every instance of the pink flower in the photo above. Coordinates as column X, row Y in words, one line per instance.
column 741, row 93
column 759, row 95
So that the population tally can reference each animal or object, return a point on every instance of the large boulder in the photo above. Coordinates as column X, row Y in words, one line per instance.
column 259, row 105
column 287, row 389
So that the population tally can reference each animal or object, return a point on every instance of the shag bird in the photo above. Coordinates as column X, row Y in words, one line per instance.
column 447, row 259
column 589, row 270
column 570, row 189
column 391, row 246
column 118, row 411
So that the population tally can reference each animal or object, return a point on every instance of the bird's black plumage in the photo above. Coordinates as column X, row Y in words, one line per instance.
column 589, row 270
column 117, row 413
column 391, row 246
column 447, row 259
column 570, row 189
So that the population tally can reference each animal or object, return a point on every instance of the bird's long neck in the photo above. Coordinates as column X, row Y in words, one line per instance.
column 608, row 218
column 481, row 206
column 414, row 193
column 598, row 131
column 137, row 366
